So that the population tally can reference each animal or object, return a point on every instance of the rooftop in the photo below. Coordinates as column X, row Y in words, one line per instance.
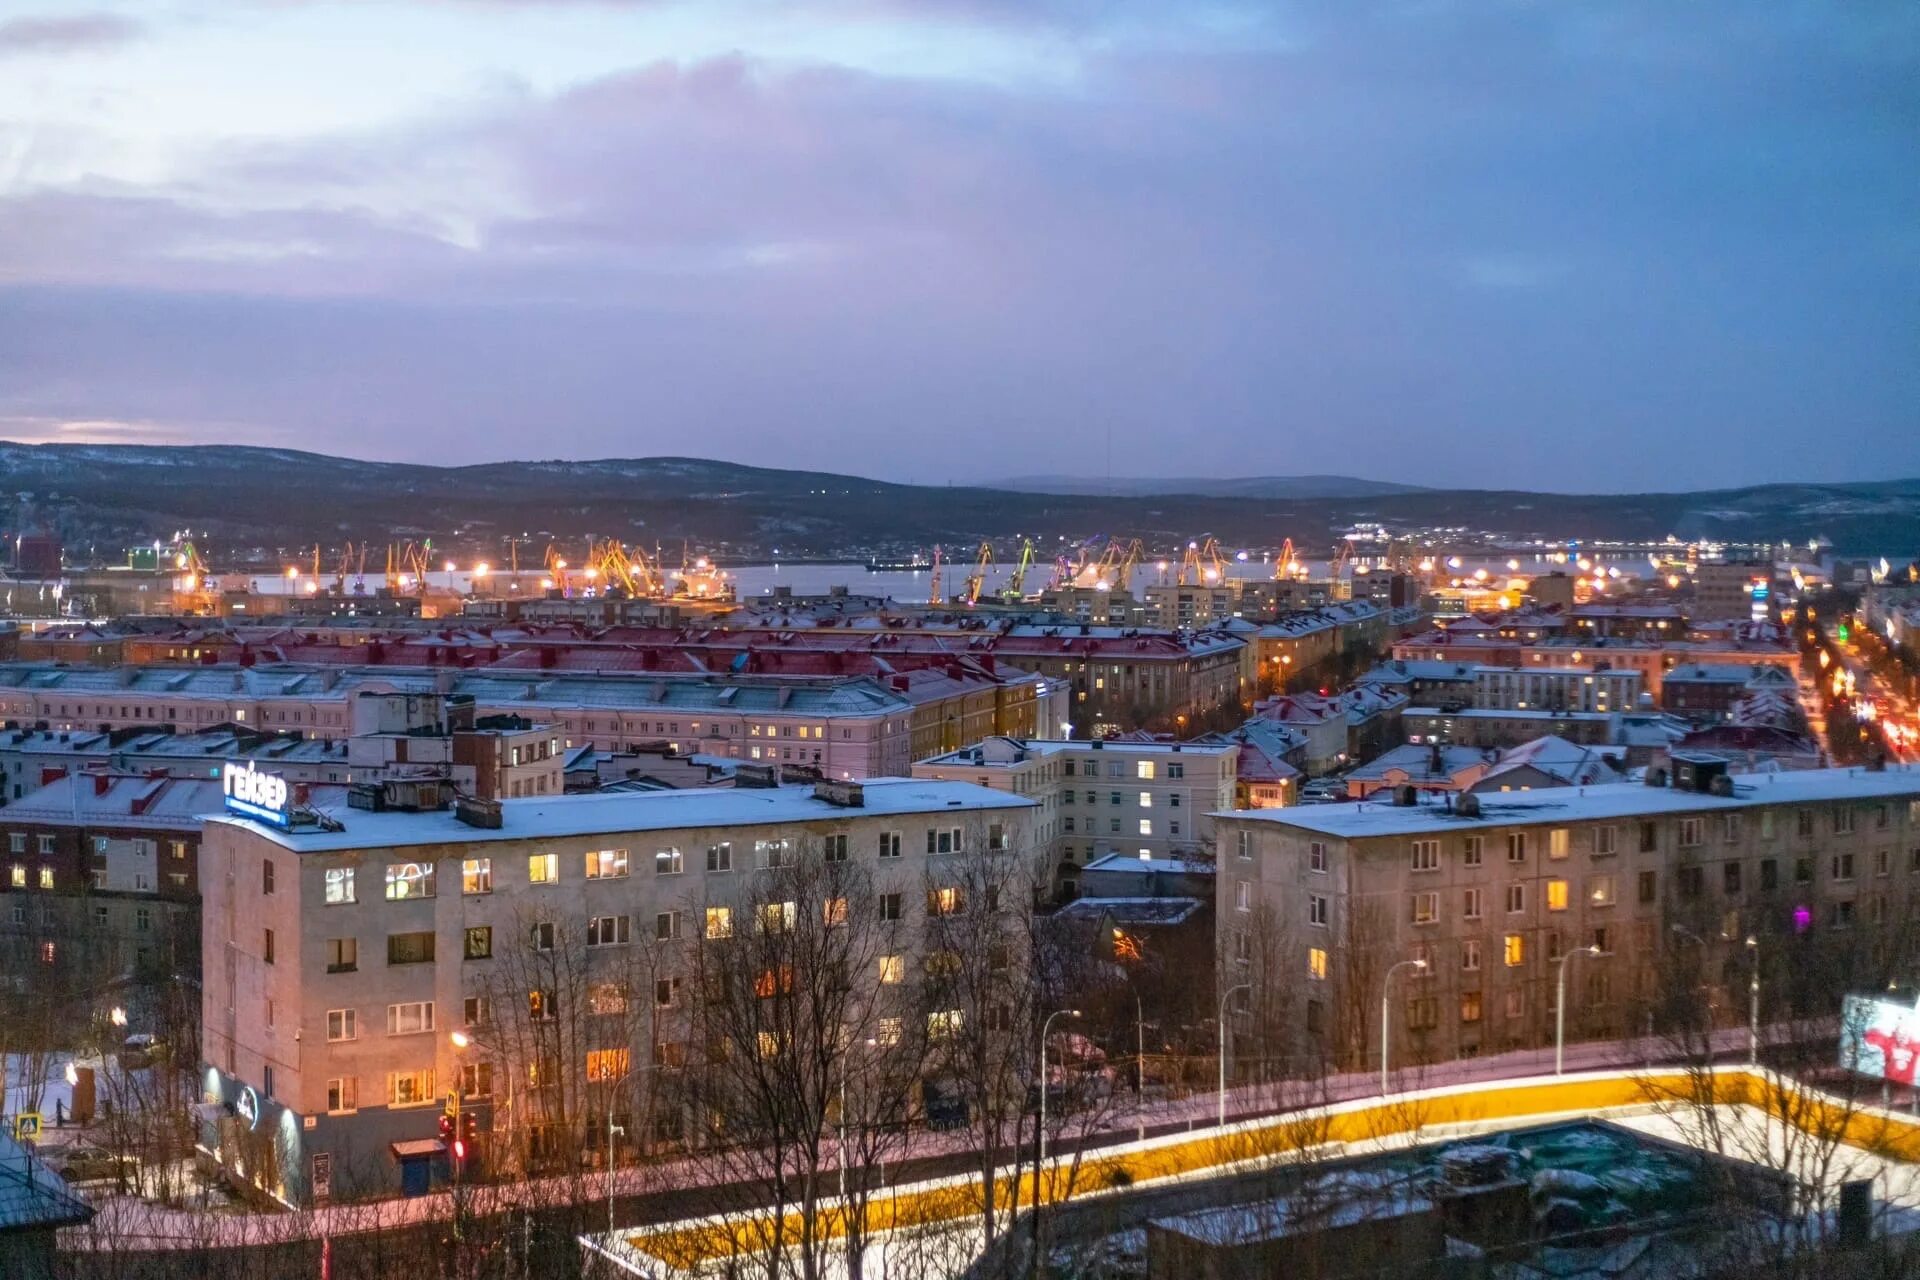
column 554, row 817
column 1578, row 804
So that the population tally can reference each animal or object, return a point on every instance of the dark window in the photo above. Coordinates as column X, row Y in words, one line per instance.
column 1769, row 874
column 1649, row 886
column 410, row 948
column 1730, row 876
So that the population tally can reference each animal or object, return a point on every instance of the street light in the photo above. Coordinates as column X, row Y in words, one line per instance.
column 1418, row 966
column 462, row 1041
column 1046, row 1028
column 1560, row 1007
column 1224, row 999
column 1753, row 1003
column 840, row 1141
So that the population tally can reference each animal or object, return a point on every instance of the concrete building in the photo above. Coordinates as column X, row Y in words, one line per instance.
column 1537, row 688
column 429, row 735
column 1744, row 644
column 102, row 878
column 1474, row 727
column 340, row 953
column 1138, row 799
column 1735, row 591
column 845, row 726
column 1710, row 692
column 1494, row 895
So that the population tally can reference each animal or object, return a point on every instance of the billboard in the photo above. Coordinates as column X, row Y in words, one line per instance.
column 1880, row 1038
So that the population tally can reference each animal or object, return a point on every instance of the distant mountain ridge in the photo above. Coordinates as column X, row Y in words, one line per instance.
column 1216, row 487
column 106, row 497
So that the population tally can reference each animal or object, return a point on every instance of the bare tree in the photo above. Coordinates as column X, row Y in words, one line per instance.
column 796, row 990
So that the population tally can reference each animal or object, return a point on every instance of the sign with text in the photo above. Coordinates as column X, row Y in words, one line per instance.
column 1880, row 1038
column 254, row 794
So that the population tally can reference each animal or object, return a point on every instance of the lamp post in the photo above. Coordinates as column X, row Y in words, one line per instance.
column 464, row 1040
column 1140, row 1065
column 1560, row 1007
column 1386, row 1024
column 1225, row 999
column 1046, row 1029
column 1753, row 1003
column 840, row 1137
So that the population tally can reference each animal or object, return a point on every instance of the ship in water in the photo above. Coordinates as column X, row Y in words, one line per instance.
column 914, row 564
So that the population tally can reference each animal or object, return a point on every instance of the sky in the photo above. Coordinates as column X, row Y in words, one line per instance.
column 1488, row 243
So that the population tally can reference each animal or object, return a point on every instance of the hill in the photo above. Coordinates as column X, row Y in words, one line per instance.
column 106, row 497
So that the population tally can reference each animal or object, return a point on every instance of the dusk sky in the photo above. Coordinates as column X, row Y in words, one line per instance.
column 1579, row 246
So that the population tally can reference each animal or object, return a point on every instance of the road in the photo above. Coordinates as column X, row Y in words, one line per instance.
column 668, row 1190
column 1889, row 708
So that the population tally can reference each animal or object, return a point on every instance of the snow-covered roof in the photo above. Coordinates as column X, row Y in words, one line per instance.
column 1578, row 804
column 552, row 817
column 1127, row 862
column 32, row 1196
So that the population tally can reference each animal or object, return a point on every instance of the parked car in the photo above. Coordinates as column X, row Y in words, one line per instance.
column 138, row 1051
column 82, row 1163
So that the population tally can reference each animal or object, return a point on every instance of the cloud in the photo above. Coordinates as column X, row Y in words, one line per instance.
column 1404, row 224
column 80, row 33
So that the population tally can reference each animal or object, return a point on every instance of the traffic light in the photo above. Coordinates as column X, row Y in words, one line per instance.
column 446, row 1128
column 469, row 1127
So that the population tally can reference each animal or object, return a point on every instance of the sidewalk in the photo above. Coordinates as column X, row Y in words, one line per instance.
column 124, row 1223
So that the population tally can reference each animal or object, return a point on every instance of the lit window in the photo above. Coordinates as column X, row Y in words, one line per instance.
column 543, row 868
column 609, row 864
column 1316, row 962
column 1515, row 950
column 339, row 885
column 607, row 1064
column 1556, row 895
column 409, row 880
column 892, row 969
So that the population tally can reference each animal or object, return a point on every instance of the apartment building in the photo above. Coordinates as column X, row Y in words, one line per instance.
column 341, row 951
column 1494, row 893
column 430, row 735
column 1736, row 591
column 846, row 727
column 1141, row 799
column 102, row 879
column 1537, row 688
column 1745, row 644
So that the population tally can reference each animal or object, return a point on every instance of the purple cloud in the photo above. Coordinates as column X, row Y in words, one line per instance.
column 1520, row 245
column 77, row 34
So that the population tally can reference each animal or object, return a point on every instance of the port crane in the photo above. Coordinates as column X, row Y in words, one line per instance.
column 557, row 571
column 977, row 580
column 630, row 571
column 1288, row 566
column 1203, row 565
column 934, row 594
column 1017, row 584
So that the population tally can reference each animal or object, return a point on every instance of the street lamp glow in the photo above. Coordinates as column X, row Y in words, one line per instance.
column 460, row 1039
column 118, row 1016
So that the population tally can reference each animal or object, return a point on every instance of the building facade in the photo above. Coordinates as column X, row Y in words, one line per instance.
column 1141, row 799
column 1493, row 896
column 340, row 957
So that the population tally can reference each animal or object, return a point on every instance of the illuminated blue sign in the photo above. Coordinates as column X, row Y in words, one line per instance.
column 253, row 794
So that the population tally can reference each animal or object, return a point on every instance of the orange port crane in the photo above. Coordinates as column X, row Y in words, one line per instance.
column 934, row 594
column 630, row 570
column 982, row 562
column 1203, row 565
